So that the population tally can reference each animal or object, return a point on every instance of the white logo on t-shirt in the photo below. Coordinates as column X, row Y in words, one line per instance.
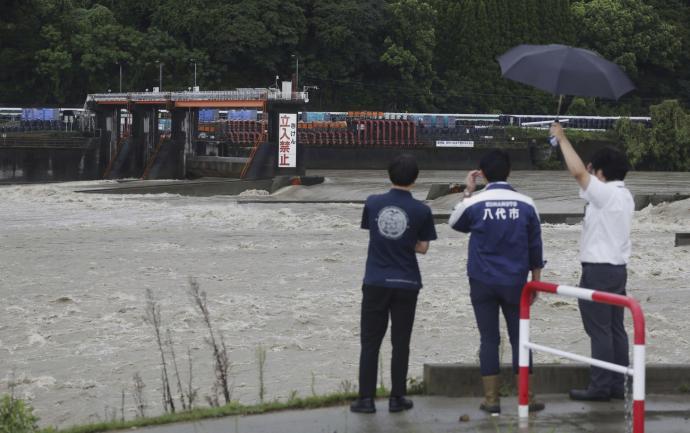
column 392, row 222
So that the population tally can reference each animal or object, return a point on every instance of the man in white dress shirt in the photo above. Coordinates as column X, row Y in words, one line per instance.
column 604, row 254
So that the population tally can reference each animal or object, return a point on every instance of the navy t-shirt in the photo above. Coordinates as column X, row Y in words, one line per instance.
column 396, row 221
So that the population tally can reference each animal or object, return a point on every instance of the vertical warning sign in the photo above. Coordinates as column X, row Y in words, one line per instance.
column 287, row 140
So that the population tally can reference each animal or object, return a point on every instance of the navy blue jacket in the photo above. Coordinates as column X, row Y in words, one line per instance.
column 396, row 221
column 505, row 241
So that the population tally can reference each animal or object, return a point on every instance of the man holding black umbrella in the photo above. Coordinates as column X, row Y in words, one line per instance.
column 604, row 253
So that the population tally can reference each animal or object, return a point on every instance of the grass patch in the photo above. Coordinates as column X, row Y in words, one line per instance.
column 231, row 409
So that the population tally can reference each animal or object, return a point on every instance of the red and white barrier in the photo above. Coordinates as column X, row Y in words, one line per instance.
column 637, row 371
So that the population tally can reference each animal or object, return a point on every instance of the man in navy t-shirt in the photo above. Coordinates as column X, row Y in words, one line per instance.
column 399, row 227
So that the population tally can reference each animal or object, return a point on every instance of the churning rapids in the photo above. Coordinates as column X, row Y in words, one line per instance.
column 74, row 269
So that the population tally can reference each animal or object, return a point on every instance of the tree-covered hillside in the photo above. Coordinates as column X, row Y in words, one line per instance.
column 403, row 55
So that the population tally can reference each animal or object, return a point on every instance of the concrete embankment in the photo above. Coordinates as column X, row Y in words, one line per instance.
column 429, row 158
column 204, row 187
column 463, row 380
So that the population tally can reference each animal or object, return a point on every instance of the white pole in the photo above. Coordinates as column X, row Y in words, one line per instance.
column 595, row 362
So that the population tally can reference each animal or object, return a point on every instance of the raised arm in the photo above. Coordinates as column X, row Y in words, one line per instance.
column 572, row 160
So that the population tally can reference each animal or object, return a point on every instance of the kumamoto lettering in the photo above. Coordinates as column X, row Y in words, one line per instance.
column 500, row 204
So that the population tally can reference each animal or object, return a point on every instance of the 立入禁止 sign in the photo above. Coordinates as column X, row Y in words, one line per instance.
column 287, row 140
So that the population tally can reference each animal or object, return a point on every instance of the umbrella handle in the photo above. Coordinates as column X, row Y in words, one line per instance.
column 560, row 103
column 553, row 140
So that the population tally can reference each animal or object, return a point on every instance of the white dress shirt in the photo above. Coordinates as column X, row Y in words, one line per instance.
column 606, row 227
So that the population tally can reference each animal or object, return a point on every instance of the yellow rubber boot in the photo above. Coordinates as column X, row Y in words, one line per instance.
column 492, row 402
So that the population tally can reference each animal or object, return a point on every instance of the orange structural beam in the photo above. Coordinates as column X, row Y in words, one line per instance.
column 230, row 103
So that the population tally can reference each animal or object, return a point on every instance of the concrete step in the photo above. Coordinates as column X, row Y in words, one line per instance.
column 462, row 380
column 215, row 166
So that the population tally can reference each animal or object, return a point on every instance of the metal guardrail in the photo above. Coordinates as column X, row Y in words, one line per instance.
column 27, row 143
column 637, row 371
column 229, row 95
column 36, row 139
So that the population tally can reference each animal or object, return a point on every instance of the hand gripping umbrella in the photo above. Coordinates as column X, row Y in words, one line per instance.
column 563, row 70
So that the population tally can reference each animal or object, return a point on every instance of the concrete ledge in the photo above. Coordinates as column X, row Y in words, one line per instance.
column 437, row 190
column 548, row 218
column 215, row 166
column 644, row 200
column 198, row 188
column 682, row 239
column 283, row 181
column 464, row 380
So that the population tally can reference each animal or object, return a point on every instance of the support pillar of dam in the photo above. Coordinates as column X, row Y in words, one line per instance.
column 108, row 122
column 185, row 129
column 145, row 137
column 184, row 126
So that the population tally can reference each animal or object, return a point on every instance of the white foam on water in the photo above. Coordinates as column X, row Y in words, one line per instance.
column 255, row 193
column 74, row 269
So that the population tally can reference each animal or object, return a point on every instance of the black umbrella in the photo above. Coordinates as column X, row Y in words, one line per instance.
column 563, row 70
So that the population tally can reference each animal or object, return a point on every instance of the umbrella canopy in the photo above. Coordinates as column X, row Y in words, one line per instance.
column 564, row 70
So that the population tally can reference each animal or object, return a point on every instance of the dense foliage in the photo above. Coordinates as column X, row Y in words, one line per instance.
column 16, row 416
column 414, row 55
column 664, row 146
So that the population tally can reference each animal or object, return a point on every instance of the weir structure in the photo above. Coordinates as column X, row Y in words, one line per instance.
column 132, row 144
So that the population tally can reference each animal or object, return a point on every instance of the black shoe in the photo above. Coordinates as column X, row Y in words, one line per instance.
column 589, row 395
column 363, row 405
column 536, row 406
column 399, row 404
column 493, row 409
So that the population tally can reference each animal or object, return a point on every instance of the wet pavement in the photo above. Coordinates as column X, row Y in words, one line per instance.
column 665, row 414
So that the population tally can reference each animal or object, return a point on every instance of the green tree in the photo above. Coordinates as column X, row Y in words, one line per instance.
column 246, row 42
column 341, row 51
column 20, row 28
column 363, row 54
column 409, row 54
column 137, row 14
column 664, row 146
column 633, row 34
column 629, row 32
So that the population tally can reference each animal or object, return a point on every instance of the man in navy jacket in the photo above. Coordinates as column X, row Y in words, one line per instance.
column 505, row 245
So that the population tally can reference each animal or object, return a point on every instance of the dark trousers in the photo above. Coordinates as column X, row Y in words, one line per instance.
column 604, row 324
column 378, row 303
column 487, row 299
